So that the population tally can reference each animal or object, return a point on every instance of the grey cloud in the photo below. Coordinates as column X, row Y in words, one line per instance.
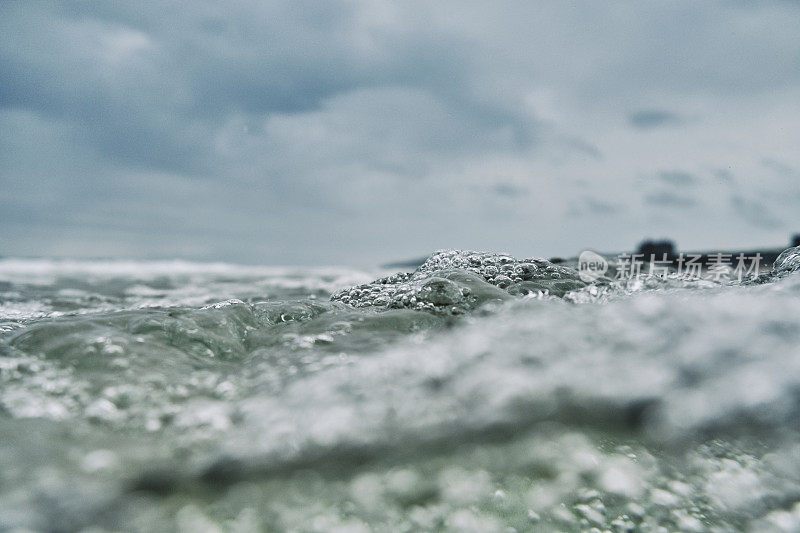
column 584, row 147
column 725, row 176
column 297, row 125
column 670, row 199
column 600, row 207
column 653, row 118
column 677, row 178
column 754, row 212
column 779, row 167
column 509, row 190
column 148, row 91
column 588, row 206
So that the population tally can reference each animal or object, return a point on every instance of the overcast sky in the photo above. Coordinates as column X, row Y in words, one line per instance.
column 362, row 132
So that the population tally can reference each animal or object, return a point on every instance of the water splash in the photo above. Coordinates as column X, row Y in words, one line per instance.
column 241, row 400
column 787, row 262
column 455, row 281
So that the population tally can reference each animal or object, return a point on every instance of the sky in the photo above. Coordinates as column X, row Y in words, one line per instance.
column 356, row 133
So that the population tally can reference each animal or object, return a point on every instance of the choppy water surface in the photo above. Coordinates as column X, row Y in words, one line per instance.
column 479, row 393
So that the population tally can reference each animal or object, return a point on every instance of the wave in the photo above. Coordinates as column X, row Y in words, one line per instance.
column 448, row 398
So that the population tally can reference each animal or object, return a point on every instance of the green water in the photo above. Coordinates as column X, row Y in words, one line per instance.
column 480, row 393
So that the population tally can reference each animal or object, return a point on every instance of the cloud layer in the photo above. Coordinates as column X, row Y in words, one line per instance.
column 357, row 132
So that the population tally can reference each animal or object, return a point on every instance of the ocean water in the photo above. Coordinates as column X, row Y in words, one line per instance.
column 479, row 393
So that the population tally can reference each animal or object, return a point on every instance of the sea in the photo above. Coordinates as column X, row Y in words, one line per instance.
column 476, row 393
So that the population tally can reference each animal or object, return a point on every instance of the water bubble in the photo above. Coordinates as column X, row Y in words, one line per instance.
column 453, row 282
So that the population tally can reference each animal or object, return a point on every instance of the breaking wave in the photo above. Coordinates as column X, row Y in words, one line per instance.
column 477, row 393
